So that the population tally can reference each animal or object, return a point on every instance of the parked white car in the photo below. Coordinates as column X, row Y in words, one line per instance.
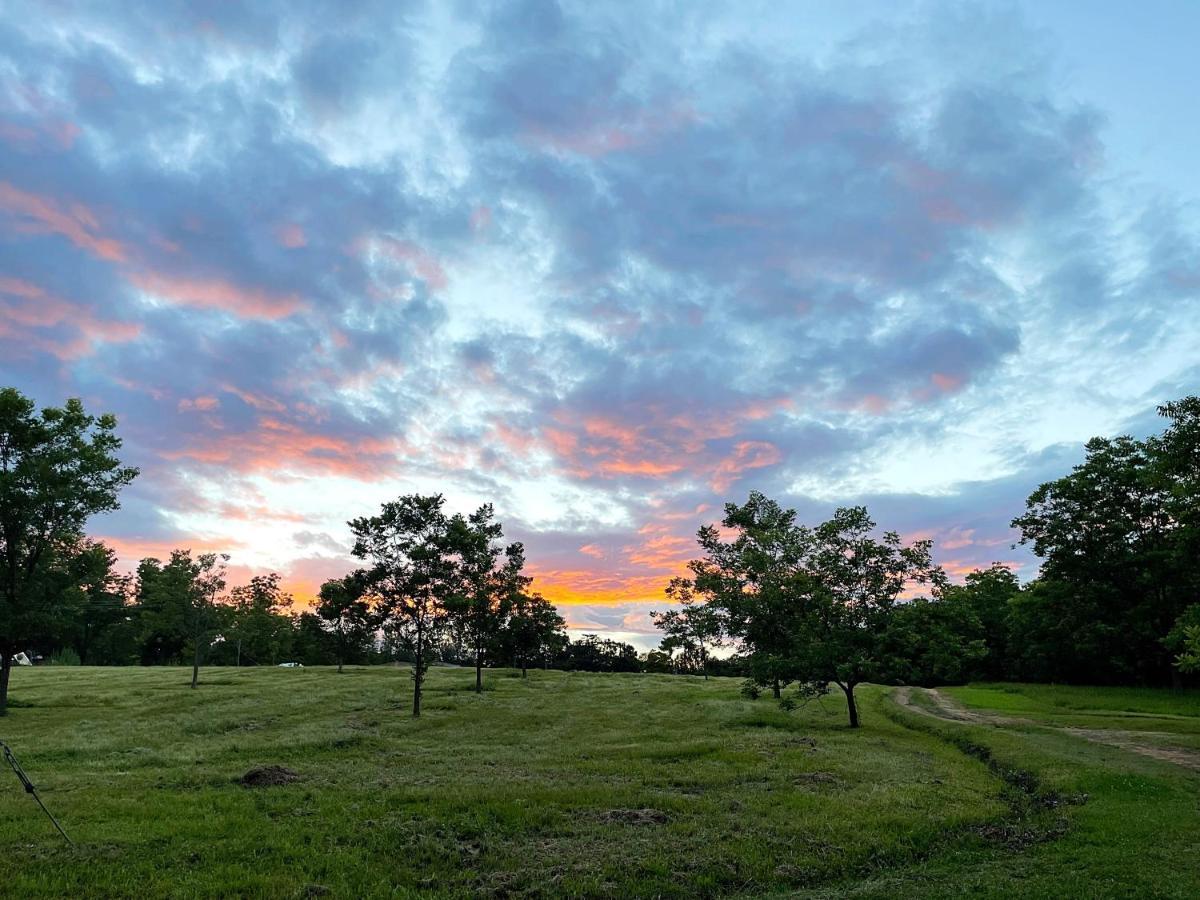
column 291, row 665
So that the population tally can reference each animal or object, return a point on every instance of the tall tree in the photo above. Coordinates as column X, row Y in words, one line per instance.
column 344, row 608
column 1119, row 537
column 101, row 599
column 413, row 571
column 58, row 468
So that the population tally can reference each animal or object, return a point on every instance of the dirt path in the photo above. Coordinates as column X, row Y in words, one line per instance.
column 1146, row 743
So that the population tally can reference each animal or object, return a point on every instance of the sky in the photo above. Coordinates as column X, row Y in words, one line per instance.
column 605, row 266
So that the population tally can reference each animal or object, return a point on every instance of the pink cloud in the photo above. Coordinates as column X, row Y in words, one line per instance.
column 37, row 214
column 217, row 293
column 30, row 312
column 291, row 235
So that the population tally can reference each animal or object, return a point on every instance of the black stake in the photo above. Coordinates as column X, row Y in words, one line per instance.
column 30, row 789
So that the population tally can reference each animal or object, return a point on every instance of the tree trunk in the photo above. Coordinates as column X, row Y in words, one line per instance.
column 418, row 675
column 851, row 706
column 478, row 668
column 524, row 669
column 339, row 664
column 5, row 672
column 775, row 689
column 196, row 664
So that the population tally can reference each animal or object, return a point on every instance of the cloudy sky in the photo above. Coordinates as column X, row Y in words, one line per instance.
column 605, row 265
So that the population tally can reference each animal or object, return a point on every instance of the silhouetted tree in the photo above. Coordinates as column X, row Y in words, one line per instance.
column 58, row 468
column 344, row 608
column 533, row 630
column 691, row 629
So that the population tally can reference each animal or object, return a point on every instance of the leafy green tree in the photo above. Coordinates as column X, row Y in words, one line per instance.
column 58, row 468
column 988, row 594
column 754, row 580
column 475, row 609
column 1184, row 640
column 932, row 642
column 413, row 571
column 1119, row 537
column 690, row 630
column 258, row 620
column 811, row 605
column 591, row 653
column 312, row 644
column 344, row 608
column 99, row 596
column 177, row 603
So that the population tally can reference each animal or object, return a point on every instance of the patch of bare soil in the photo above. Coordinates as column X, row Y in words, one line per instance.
column 635, row 816
column 268, row 776
column 1143, row 742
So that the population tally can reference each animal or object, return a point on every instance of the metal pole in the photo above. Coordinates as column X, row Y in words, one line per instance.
column 30, row 789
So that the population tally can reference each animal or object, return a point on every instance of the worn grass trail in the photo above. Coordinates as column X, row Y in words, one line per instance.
column 1105, row 819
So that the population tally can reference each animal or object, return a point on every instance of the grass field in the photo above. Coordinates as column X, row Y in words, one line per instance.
column 566, row 785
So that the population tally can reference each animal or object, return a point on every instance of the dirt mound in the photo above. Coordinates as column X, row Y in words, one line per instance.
column 268, row 776
column 635, row 816
column 816, row 778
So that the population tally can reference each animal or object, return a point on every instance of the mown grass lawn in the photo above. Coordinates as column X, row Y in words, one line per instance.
column 558, row 785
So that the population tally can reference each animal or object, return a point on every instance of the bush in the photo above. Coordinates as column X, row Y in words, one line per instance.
column 64, row 657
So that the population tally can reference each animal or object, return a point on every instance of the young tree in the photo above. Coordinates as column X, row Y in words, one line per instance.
column 344, row 608
column 857, row 580
column 475, row 607
column 691, row 629
column 812, row 605
column 755, row 581
column 413, row 571
column 58, row 468
column 178, row 605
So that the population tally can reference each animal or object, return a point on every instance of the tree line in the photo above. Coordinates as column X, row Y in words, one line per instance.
column 1117, row 599
column 799, row 608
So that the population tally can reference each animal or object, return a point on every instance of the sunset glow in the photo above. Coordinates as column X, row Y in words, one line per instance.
column 605, row 278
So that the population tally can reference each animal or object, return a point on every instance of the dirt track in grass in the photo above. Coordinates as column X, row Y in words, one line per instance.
column 1145, row 743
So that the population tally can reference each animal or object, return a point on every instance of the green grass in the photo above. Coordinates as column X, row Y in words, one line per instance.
column 559, row 785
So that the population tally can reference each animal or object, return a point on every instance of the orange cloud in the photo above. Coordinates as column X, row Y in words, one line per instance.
column 746, row 455
column 38, row 214
column 216, row 293
column 278, row 446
